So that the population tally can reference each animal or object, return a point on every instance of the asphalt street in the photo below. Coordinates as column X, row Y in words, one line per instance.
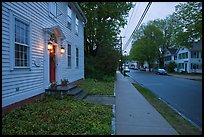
column 184, row 95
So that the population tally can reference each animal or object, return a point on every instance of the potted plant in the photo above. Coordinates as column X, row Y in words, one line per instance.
column 64, row 82
column 54, row 85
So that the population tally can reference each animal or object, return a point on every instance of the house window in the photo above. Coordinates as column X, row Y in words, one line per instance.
column 77, row 57
column 53, row 9
column 69, row 17
column 175, row 57
column 186, row 55
column 195, row 54
column 69, row 55
column 77, row 25
column 196, row 66
column 183, row 55
column 21, row 43
column 181, row 65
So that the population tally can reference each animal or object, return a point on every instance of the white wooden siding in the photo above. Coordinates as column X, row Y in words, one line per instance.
column 30, row 82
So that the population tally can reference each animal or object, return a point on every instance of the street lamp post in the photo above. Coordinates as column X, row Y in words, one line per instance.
column 121, row 54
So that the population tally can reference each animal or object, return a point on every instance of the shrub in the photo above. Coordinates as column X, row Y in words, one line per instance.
column 171, row 66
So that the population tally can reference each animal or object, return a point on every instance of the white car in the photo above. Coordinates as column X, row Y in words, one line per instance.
column 161, row 72
column 126, row 69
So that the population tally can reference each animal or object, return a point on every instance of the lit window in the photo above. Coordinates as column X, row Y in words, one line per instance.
column 77, row 25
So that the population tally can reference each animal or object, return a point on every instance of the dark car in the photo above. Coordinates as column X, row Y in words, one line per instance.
column 161, row 72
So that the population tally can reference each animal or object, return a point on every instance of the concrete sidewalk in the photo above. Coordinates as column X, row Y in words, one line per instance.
column 134, row 115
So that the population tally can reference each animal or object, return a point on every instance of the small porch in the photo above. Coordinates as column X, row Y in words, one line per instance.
column 68, row 90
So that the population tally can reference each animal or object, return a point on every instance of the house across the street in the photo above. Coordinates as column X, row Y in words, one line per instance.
column 187, row 59
column 42, row 42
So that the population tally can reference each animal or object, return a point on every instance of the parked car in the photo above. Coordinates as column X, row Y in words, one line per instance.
column 161, row 72
column 142, row 69
column 126, row 69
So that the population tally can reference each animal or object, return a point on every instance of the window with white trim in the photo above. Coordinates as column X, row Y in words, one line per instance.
column 69, row 17
column 77, row 25
column 53, row 9
column 21, row 43
column 77, row 57
column 69, row 55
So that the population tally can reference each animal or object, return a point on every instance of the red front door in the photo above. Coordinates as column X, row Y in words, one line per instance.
column 52, row 65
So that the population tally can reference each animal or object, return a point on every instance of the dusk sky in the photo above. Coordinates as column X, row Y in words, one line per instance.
column 157, row 10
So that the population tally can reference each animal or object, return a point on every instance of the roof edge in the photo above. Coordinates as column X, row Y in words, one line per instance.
column 80, row 11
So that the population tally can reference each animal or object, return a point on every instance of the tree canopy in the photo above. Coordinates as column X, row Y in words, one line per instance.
column 146, row 47
column 104, row 22
column 189, row 18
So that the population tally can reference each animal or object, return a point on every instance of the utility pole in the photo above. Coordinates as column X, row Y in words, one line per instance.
column 121, row 54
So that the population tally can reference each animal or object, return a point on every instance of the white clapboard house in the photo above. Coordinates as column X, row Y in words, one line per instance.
column 42, row 42
column 187, row 59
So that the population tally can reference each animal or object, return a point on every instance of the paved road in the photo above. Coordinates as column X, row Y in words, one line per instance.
column 182, row 94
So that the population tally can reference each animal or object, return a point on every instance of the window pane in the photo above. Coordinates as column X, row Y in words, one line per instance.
column 77, row 25
column 69, row 55
column 21, row 55
column 77, row 57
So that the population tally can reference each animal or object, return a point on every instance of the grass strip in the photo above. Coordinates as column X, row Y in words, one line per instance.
column 92, row 87
column 182, row 126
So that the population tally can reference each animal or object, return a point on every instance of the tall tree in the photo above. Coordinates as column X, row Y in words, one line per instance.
column 104, row 22
column 146, row 48
column 189, row 17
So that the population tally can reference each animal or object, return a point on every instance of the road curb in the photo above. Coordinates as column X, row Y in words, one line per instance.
column 113, row 110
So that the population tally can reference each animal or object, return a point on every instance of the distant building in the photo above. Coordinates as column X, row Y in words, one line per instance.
column 170, row 55
column 187, row 59
column 190, row 59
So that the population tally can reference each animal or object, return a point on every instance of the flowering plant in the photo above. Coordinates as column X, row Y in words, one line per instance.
column 64, row 82
column 54, row 85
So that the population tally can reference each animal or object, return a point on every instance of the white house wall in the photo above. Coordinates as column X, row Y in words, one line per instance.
column 184, row 60
column 31, row 82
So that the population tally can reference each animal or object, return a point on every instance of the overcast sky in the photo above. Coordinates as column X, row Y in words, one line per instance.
column 156, row 10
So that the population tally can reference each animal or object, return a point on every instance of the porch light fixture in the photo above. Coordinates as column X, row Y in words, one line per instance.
column 49, row 46
column 62, row 50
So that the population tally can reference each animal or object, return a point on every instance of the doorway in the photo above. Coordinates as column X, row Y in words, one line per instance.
column 185, row 67
column 53, row 65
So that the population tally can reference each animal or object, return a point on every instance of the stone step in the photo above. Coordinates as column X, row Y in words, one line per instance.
column 81, row 95
column 62, row 88
column 74, row 91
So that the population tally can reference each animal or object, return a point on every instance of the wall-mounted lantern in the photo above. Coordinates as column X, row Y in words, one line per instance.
column 50, row 46
column 62, row 50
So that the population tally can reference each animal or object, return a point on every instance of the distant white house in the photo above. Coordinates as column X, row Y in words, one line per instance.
column 190, row 59
column 187, row 59
column 170, row 55
column 33, row 35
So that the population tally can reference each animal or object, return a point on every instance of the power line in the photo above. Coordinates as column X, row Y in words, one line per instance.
column 138, row 24
column 130, row 17
column 140, row 21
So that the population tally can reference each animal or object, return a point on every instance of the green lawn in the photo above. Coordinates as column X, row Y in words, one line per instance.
column 92, row 86
column 52, row 116
column 182, row 126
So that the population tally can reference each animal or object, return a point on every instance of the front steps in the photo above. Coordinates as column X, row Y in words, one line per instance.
column 69, row 90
